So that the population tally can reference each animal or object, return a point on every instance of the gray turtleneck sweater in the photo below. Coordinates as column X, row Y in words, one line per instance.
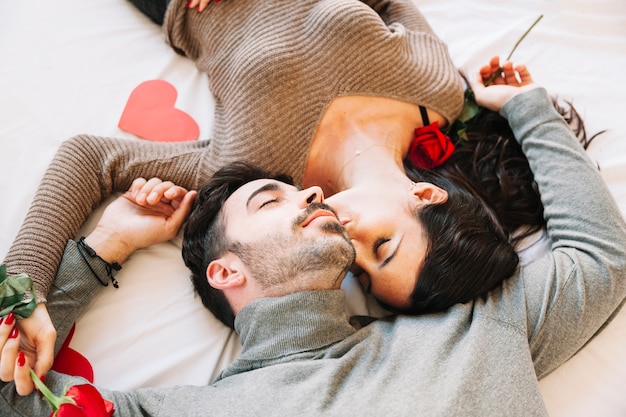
column 302, row 355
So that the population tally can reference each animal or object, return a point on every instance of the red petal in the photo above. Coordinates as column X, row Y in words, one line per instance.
column 430, row 148
column 89, row 403
column 70, row 362
column 68, row 410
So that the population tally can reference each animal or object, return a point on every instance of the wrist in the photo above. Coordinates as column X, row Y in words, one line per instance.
column 108, row 245
column 95, row 262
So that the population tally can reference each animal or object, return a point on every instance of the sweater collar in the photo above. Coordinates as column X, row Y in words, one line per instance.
column 275, row 330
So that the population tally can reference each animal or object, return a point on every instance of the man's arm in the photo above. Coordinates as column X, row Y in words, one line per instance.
column 570, row 293
column 149, row 212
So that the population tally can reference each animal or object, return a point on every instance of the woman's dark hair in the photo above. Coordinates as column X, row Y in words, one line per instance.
column 205, row 231
column 493, row 202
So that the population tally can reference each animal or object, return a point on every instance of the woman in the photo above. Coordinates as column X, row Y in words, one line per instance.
column 277, row 107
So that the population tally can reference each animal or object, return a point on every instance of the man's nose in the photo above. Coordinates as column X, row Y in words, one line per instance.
column 313, row 195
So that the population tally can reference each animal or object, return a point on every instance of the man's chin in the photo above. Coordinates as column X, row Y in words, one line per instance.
column 333, row 226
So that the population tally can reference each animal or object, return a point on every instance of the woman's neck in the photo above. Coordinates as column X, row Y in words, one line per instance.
column 359, row 137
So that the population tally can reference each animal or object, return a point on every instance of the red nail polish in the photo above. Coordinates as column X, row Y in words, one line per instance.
column 13, row 333
column 21, row 359
column 189, row 4
column 10, row 319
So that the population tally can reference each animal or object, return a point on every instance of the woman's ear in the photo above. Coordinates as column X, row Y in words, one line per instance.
column 226, row 272
column 428, row 193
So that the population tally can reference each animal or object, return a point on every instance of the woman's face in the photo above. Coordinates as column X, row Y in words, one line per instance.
column 389, row 241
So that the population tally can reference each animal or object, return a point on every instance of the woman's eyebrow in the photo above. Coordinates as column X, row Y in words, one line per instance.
column 272, row 186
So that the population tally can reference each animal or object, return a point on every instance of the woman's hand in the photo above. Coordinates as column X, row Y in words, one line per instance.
column 504, row 83
column 26, row 343
column 200, row 4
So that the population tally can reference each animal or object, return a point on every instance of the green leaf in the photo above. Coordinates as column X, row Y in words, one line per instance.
column 16, row 294
column 469, row 111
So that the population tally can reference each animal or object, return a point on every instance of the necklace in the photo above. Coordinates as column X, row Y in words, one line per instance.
column 360, row 152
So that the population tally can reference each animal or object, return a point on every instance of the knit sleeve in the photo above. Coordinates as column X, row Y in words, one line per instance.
column 573, row 290
column 84, row 172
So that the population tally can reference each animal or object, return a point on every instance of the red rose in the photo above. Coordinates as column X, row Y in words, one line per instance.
column 430, row 148
column 87, row 403
column 79, row 401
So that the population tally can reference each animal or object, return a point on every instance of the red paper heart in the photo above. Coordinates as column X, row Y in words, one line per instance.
column 150, row 114
column 70, row 362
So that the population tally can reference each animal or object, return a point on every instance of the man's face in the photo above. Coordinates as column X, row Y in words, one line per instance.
column 287, row 238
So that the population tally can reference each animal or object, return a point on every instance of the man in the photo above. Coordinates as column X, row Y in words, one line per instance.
column 255, row 241
column 245, row 225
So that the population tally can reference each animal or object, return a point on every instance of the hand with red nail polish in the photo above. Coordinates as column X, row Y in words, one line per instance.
column 9, row 345
column 14, row 363
column 34, row 338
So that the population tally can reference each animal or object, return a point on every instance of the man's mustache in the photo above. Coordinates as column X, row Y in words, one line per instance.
column 312, row 208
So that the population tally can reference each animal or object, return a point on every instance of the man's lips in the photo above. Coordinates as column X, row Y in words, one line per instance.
column 317, row 214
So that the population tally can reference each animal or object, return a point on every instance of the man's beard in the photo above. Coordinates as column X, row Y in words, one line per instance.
column 280, row 259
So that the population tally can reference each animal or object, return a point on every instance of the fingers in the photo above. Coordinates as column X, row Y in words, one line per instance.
column 13, row 363
column 516, row 76
column 192, row 4
column 10, row 342
column 488, row 70
column 136, row 186
column 32, row 343
column 24, row 384
column 506, row 74
column 183, row 210
column 524, row 74
column 155, row 191
column 200, row 4
column 37, row 337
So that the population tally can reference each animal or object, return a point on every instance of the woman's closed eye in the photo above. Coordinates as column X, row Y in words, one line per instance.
column 377, row 248
column 385, row 251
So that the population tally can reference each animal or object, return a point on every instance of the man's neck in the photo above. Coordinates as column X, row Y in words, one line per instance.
column 273, row 330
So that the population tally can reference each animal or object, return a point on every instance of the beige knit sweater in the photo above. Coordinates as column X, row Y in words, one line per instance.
column 274, row 67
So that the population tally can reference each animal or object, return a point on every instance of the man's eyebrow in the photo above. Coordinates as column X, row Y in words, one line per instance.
column 271, row 186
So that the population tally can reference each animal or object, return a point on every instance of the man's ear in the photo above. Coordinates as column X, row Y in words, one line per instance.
column 428, row 193
column 226, row 272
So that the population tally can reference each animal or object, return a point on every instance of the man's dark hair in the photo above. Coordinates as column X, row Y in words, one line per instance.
column 205, row 231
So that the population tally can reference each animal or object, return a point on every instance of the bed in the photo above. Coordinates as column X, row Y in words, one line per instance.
column 69, row 67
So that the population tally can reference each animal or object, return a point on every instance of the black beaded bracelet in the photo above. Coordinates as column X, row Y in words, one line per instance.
column 111, row 268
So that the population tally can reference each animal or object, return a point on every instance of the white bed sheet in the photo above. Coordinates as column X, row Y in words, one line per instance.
column 68, row 67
